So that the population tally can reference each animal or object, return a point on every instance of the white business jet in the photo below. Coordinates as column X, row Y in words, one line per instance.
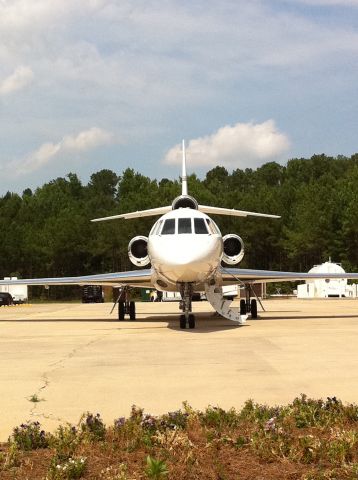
column 185, row 249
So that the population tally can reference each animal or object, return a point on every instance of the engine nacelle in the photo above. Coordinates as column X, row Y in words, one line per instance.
column 138, row 251
column 184, row 201
column 234, row 249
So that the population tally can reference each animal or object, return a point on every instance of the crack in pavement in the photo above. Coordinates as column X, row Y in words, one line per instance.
column 59, row 364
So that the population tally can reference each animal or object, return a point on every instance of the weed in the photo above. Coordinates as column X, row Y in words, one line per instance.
column 254, row 412
column 67, row 470
column 271, row 446
column 149, row 422
column 310, row 448
column 173, row 420
column 65, row 441
column 340, row 448
column 156, row 469
column 115, row 473
column 173, row 440
column 35, row 399
column 308, row 412
column 119, row 423
column 241, row 442
column 12, row 457
column 219, row 418
column 93, row 426
column 29, row 436
column 136, row 414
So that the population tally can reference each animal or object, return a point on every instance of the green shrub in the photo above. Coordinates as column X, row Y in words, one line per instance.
column 65, row 441
column 156, row 469
column 93, row 426
column 29, row 436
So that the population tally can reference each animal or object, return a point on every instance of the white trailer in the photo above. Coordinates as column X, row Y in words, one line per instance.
column 19, row 293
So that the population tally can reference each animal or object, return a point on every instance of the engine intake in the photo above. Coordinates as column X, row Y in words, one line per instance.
column 138, row 251
column 234, row 249
column 185, row 201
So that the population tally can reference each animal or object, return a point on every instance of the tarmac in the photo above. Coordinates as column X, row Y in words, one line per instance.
column 75, row 358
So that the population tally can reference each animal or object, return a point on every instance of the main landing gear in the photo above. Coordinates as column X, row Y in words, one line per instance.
column 125, row 306
column 186, row 318
column 248, row 304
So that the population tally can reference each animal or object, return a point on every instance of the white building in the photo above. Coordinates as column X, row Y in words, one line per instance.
column 324, row 288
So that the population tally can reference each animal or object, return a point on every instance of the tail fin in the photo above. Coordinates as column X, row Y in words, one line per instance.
column 184, row 184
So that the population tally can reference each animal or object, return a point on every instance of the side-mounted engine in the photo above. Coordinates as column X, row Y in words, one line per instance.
column 234, row 249
column 138, row 251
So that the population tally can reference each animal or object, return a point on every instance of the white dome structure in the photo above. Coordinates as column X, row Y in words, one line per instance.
column 324, row 288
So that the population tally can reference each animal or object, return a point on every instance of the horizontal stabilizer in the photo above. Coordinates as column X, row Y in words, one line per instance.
column 233, row 212
column 140, row 213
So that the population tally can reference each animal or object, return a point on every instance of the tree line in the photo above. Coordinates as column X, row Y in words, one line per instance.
column 47, row 232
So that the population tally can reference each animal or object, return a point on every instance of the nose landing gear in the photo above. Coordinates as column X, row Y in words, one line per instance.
column 187, row 318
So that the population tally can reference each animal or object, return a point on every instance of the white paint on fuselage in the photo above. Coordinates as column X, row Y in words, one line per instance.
column 186, row 257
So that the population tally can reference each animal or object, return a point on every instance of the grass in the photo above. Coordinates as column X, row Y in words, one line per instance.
column 35, row 398
column 306, row 440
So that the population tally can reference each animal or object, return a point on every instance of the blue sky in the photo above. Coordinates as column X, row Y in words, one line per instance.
column 91, row 84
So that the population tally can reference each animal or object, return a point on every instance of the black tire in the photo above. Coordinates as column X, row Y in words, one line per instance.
column 242, row 307
column 132, row 310
column 121, row 311
column 191, row 321
column 253, row 308
column 182, row 322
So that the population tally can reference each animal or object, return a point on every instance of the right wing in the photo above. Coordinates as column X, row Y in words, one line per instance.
column 133, row 278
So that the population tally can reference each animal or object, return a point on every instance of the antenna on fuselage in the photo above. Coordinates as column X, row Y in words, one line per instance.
column 184, row 184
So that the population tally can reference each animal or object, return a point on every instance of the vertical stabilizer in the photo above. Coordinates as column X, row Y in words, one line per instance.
column 184, row 184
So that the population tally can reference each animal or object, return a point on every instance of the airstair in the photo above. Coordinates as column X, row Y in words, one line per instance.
column 215, row 296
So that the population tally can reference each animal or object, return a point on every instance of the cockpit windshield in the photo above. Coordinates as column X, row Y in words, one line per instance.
column 168, row 227
column 199, row 226
column 184, row 225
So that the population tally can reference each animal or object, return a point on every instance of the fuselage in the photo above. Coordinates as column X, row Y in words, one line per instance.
column 184, row 245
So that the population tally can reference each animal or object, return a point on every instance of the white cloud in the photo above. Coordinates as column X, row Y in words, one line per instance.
column 148, row 70
column 86, row 140
column 239, row 146
column 18, row 80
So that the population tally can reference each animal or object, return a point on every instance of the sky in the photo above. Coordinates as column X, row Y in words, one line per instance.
column 92, row 84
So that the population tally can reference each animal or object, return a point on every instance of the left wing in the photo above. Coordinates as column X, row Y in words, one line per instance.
column 231, row 276
column 133, row 278
column 231, row 212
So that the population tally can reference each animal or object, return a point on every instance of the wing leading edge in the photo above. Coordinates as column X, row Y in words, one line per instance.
column 231, row 212
column 133, row 278
column 231, row 276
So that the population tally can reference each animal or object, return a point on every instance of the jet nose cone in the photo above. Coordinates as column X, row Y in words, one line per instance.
column 192, row 259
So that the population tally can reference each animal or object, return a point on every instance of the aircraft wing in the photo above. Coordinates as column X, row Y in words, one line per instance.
column 202, row 208
column 138, row 214
column 133, row 278
column 231, row 276
column 232, row 212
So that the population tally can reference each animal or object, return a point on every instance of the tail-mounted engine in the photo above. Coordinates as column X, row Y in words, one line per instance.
column 234, row 249
column 185, row 201
column 138, row 251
